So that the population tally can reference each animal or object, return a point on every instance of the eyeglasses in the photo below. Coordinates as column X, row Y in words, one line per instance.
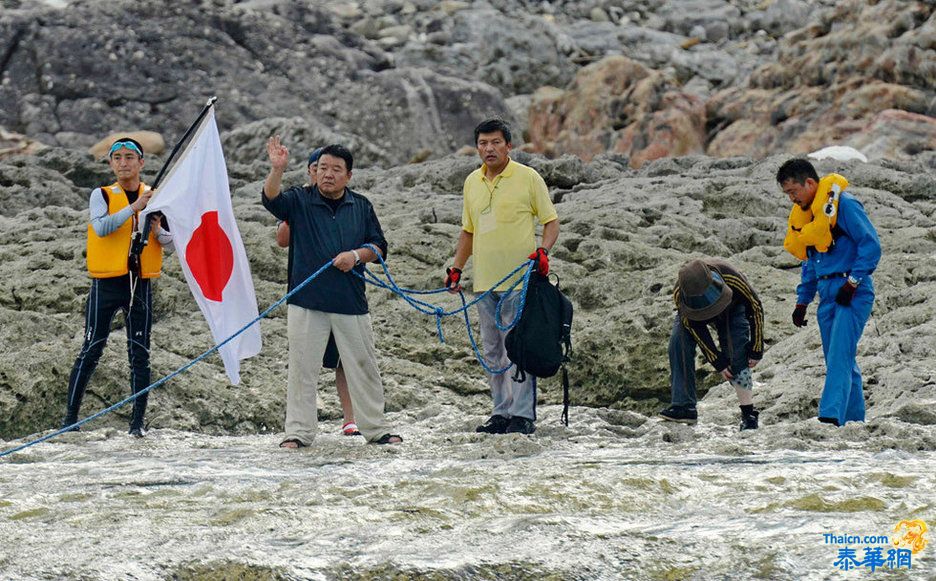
column 125, row 145
column 487, row 209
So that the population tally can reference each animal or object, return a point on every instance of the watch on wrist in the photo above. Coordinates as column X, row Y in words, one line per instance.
column 853, row 281
column 357, row 257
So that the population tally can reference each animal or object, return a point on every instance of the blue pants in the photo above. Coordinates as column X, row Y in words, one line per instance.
column 841, row 327
column 733, row 338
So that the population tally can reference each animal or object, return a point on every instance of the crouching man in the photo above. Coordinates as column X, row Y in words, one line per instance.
column 712, row 293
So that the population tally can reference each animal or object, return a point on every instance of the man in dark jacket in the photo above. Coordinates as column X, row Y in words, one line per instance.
column 328, row 221
column 712, row 293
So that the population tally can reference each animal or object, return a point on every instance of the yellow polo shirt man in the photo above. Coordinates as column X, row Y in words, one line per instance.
column 503, row 200
column 500, row 214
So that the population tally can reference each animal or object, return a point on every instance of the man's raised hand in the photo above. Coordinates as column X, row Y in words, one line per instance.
column 279, row 155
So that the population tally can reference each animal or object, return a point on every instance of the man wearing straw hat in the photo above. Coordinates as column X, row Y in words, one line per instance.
column 712, row 293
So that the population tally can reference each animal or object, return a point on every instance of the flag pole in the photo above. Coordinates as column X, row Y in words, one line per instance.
column 141, row 237
column 178, row 145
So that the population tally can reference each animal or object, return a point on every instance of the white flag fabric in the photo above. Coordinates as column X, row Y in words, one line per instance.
column 195, row 197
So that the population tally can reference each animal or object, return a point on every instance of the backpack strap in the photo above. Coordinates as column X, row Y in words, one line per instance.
column 565, row 396
column 519, row 374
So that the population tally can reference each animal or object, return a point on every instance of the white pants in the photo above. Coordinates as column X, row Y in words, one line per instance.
column 308, row 332
column 511, row 398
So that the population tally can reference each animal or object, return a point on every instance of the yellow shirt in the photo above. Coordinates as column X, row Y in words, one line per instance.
column 499, row 214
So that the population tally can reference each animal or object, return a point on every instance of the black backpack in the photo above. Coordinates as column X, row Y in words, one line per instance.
column 541, row 342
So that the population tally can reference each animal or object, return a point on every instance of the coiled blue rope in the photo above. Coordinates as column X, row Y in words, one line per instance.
column 431, row 309
column 421, row 306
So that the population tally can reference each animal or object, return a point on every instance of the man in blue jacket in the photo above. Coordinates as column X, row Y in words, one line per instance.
column 830, row 231
column 328, row 221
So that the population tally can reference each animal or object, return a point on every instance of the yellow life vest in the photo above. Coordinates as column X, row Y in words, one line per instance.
column 813, row 227
column 107, row 255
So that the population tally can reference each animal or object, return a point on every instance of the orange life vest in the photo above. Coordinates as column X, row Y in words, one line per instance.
column 107, row 255
column 813, row 227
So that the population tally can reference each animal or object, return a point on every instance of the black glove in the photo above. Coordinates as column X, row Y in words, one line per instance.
column 799, row 315
column 845, row 294
column 453, row 278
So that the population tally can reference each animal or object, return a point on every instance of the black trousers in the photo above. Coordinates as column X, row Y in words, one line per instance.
column 107, row 296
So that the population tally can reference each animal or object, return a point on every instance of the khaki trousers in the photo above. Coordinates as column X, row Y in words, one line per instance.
column 308, row 332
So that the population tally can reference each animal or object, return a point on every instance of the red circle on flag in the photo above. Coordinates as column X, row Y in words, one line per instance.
column 210, row 256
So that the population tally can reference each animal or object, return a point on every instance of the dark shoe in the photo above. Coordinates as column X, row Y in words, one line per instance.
column 749, row 421
column 680, row 414
column 389, row 439
column 832, row 421
column 71, row 419
column 494, row 425
column 137, row 432
column 520, row 425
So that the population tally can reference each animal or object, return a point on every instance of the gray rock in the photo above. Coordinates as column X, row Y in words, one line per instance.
column 715, row 16
column 783, row 16
column 624, row 235
column 597, row 14
column 595, row 39
column 525, row 56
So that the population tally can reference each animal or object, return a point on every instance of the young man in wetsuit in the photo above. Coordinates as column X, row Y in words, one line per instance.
column 114, row 213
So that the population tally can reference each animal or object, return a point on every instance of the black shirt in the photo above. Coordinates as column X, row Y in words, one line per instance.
column 333, row 204
column 318, row 233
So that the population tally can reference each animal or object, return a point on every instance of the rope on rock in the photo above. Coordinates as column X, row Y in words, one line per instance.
column 421, row 306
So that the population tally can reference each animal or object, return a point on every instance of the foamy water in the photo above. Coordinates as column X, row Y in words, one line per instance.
column 615, row 495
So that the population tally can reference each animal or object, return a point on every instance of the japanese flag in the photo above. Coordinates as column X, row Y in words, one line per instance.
column 196, row 199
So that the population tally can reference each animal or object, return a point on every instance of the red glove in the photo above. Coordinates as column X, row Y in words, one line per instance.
column 799, row 315
column 541, row 256
column 453, row 278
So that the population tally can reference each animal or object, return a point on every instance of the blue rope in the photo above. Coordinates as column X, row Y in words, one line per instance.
column 171, row 375
column 421, row 306
column 439, row 312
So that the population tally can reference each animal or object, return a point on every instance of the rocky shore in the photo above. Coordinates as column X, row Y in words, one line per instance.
column 654, row 122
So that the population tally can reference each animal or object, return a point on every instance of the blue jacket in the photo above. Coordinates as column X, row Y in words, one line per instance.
column 856, row 250
column 316, row 235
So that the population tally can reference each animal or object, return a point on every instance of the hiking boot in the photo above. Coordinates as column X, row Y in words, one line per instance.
column 680, row 414
column 520, row 425
column 137, row 432
column 67, row 422
column 494, row 425
column 749, row 421
column 832, row 421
